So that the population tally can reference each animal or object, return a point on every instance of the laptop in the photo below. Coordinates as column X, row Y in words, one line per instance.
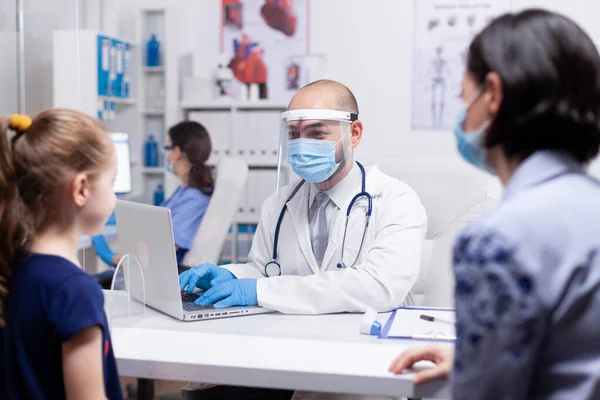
column 146, row 232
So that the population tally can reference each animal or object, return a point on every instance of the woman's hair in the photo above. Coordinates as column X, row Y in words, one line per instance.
column 550, row 72
column 194, row 141
column 35, row 167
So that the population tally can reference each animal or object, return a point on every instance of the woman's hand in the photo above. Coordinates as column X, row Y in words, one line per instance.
column 442, row 356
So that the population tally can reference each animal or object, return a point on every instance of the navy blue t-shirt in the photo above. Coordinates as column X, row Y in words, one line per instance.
column 50, row 301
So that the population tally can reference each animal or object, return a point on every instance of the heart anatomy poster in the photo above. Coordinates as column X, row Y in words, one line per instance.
column 443, row 31
column 264, row 42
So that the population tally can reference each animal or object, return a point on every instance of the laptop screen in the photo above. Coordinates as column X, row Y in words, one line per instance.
column 123, row 180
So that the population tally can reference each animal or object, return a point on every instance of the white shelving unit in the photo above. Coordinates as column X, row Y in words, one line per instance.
column 246, row 129
column 96, row 73
column 249, row 130
column 153, row 70
column 150, row 106
column 86, row 72
column 153, row 113
column 153, row 170
column 235, row 105
column 158, row 92
column 117, row 100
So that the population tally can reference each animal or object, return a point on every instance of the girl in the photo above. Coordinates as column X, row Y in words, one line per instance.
column 188, row 147
column 56, row 177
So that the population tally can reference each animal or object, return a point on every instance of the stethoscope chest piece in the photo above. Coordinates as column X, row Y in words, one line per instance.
column 272, row 269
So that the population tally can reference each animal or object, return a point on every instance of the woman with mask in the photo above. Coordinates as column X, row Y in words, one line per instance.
column 528, row 274
column 187, row 149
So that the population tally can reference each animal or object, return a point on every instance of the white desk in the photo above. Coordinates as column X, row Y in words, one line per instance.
column 313, row 353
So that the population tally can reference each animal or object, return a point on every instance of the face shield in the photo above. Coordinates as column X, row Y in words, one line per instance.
column 315, row 145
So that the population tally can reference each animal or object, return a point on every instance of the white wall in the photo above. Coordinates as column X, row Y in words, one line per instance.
column 373, row 58
column 8, row 46
column 370, row 55
column 41, row 18
column 368, row 46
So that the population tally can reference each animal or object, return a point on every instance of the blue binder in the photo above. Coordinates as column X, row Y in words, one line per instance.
column 104, row 61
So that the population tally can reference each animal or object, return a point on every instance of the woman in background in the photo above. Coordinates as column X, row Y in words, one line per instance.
column 187, row 150
column 528, row 274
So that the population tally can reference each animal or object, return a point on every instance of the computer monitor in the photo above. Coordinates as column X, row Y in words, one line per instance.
column 123, row 180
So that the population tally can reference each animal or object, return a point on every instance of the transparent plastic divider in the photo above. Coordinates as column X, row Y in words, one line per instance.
column 127, row 296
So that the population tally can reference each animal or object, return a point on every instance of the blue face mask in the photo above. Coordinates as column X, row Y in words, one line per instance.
column 168, row 163
column 311, row 159
column 470, row 145
column 170, row 167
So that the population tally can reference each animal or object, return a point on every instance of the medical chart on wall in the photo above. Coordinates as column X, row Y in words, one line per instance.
column 443, row 32
column 264, row 43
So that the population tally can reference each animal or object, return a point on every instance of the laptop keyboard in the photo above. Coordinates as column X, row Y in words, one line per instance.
column 189, row 305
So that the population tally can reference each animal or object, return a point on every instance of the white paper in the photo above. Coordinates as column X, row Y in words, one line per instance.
column 253, row 195
column 263, row 137
column 241, row 135
column 269, row 185
column 274, row 138
column 253, row 128
column 225, row 129
column 267, row 179
column 408, row 323
column 244, row 206
column 443, row 31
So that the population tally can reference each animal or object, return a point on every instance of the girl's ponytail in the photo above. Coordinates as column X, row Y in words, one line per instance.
column 13, row 225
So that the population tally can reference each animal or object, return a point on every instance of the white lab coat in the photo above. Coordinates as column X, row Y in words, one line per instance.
column 382, row 278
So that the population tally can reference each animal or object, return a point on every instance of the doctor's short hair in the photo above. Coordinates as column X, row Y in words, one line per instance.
column 346, row 101
column 550, row 72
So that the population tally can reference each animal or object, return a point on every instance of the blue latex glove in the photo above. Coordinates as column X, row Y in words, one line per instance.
column 112, row 220
column 238, row 292
column 102, row 249
column 203, row 276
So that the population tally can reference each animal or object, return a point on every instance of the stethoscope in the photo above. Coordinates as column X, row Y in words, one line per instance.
column 272, row 268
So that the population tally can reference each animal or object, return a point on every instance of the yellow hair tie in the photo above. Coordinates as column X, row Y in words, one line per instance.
column 20, row 123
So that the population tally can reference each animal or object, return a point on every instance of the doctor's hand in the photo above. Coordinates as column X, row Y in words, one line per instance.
column 442, row 356
column 238, row 292
column 204, row 276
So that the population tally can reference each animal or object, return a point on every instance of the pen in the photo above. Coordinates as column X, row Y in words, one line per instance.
column 436, row 319
column 433, row 337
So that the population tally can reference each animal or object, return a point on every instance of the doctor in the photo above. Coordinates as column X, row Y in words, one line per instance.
column 341, row 238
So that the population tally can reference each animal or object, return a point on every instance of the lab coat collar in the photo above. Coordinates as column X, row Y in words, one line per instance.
column 344, row 189
column 540, row 167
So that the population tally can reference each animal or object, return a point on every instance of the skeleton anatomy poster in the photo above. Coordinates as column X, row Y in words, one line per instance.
column 443, row 31
column 265, row 41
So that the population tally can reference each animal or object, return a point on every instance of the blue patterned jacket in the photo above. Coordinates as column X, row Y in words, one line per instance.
column 528, row 289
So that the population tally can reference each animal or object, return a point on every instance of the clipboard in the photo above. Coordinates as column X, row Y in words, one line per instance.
column 419, row 329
